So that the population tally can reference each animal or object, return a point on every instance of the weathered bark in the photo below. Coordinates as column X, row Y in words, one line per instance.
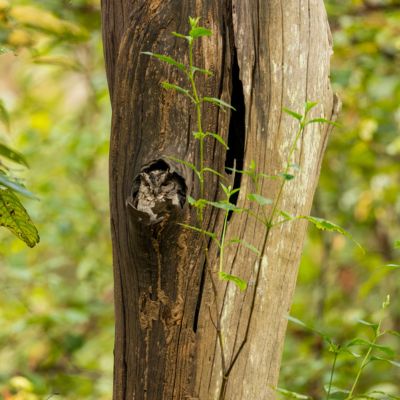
column 265, row 55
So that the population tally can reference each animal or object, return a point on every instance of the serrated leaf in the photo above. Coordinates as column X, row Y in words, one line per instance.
column 15, row 186
column 187, row 164
column 323, row 121
column 326, row 225
column 293, row 395
column 293, row 114
column 170, row 86
column 392, row 362
column 369, row 324
column 194, row 228
column 199, row 31
column 14, row 217
column 179, row 35
column 193, row 21
column 261, row 200
column 245, row 244
column 240, row 283
column 224, row 205
column 202, row 70
column 12, row 155
column 286, row 215
column 214, row 172
column 4, row 116
column 363, row 342
column 309, row 105
column 167, row 59
column 218, row 138
column 218, row 102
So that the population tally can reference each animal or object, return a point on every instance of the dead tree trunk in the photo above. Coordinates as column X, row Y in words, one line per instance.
column 265, row 55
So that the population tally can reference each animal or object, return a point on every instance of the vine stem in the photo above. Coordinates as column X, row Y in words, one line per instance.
column 328, row 394
column 364, row 362
column 269, row 225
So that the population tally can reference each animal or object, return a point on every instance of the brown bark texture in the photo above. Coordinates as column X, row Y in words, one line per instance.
column 265, row 55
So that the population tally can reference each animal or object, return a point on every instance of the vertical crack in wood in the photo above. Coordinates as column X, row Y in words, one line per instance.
column 237, row 130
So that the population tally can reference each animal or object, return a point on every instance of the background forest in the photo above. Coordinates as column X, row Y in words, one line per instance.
column 56, row 302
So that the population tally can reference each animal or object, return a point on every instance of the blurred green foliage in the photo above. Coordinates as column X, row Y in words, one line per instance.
column 359, row 189
column 56, row 317
column 56, row 313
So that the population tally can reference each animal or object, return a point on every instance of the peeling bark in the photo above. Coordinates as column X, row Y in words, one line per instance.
column 265, row 56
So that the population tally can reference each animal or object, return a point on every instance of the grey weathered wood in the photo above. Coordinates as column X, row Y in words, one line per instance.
column 165, row 345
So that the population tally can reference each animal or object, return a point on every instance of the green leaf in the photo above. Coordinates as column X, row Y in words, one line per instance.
column 297, row 321
column 218, row 138
column 261, row 200
column 14, row 217
column 293, row 114
column 397, row 244
column 322, row 120
column 202, row 231
column 367, row 343
column 224, row 205
column 309, row 105
column 187, row 164
column 379, row 392
column 218, row 102
column 370, row 324
column 15, row 186
column 4, row 50
column 394, row 266
column 203, row 71
column 179, row 35
column 286, row 177
column 286, row 215
column 326, row 225
column 4, row 116
column 393, row 332
column 194, row 21
column 199, row 31
column 293, row 395
column 170, row 86
column 245, row 244
column 214, row 172
column 392, row 362
column 240, row 283
column 167, row 59
column 12, row 155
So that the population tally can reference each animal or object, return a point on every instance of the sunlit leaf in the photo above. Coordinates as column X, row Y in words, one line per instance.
column 240, row 283
column 293, row 395
column 203, row 232
column 14, row 217
column 309, row 105
column 218, row 102
column 261, row 200
column 329, row 226
column 199, row 31
column 245, row 244
column 166, row 59
column 218, row 138
column 15, row 186
column 12, row 155
column 170, row 86
column 202, row 70
column 293, row 114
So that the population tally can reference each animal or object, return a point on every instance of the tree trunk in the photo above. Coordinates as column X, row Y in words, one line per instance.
column 265, row 56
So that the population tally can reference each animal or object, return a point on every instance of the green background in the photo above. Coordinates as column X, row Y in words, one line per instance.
column 56, row 301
